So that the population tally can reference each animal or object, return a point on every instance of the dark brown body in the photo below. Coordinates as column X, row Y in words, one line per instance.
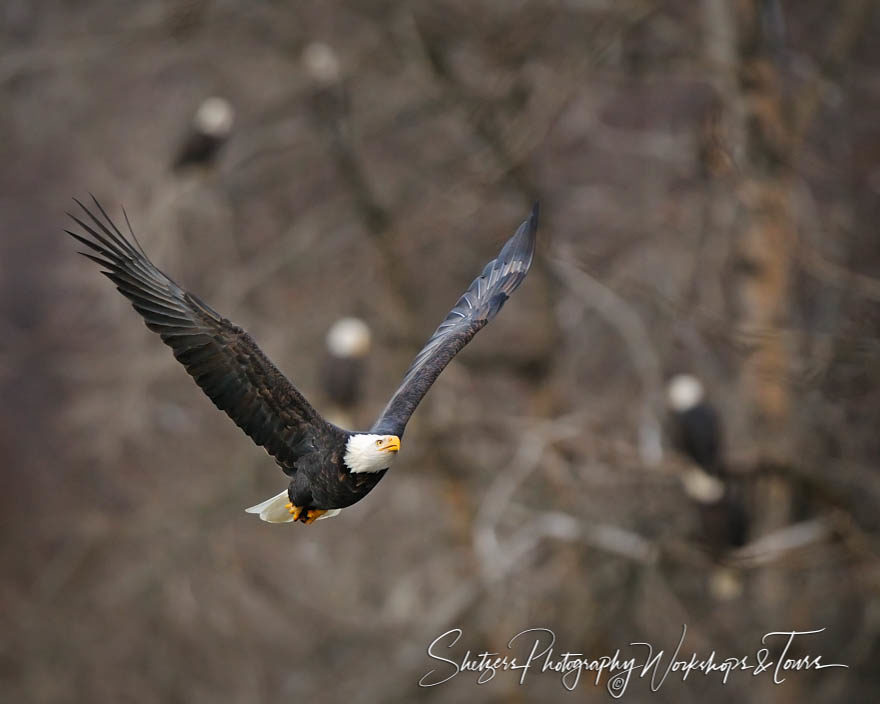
column 321, row 480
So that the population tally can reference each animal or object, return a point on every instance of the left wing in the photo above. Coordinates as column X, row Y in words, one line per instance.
column 222, row 358
column 476, row 307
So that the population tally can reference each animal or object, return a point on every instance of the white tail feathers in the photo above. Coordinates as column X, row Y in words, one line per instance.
column 274, row 510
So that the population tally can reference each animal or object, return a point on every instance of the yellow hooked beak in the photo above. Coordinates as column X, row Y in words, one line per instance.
column 392, row 444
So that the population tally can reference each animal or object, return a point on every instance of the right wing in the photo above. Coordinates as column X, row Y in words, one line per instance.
column 476, row 307
column 222, row 358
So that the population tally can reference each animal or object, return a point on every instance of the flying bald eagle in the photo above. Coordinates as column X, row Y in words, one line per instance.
column 329, row 467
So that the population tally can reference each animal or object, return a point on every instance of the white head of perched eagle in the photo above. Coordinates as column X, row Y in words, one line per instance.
column 329, row 468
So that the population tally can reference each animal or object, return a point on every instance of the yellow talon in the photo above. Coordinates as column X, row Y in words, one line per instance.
column 313, row 515
column 308, row 517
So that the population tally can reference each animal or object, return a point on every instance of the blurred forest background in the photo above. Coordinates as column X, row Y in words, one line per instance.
column 709, row 175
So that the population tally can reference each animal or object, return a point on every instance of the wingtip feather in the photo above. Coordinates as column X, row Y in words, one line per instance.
column 522, row 245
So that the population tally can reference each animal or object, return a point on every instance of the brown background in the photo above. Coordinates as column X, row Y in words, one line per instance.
column 709, row 174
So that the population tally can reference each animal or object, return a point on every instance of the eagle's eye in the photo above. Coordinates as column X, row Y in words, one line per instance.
column 378, row 443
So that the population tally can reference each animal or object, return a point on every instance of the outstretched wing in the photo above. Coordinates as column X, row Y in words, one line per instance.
column 223, row 359
column 477, row 306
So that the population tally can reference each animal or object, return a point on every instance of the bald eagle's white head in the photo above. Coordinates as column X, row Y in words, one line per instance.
column 366, row 452
column 684, row 392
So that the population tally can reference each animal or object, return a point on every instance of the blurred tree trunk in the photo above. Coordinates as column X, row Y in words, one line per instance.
column 749, row 145
column 775, row 124
column 763, row 266
column 745, row 154
column 745, row 151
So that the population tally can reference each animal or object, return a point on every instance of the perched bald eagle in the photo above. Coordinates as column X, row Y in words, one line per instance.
column 329, row 467
column 342, row 371
column 209, row 131
column 698, row 435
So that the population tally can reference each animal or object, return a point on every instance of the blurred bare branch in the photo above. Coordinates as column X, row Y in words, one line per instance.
column 774, row 546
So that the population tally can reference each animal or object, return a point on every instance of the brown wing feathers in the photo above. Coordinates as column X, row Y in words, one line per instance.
column 222, row 358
